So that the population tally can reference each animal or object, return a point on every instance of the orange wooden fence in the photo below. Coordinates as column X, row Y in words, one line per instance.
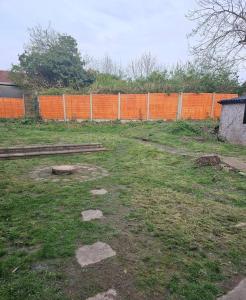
column 154, row 106
column 12, row 108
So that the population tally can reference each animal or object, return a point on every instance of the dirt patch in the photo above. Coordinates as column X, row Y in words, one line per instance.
column 208, row 160
column 83, row 173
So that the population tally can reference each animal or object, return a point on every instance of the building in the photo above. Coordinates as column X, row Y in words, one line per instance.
column 7, row 88
column 233, row 120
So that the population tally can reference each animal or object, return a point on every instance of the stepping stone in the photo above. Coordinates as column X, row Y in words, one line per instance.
column 240, row 225
column 109, row 295
column 99, row 192
column 91, row 214
column 64, row 170
column 238, row 293
column 91, row 254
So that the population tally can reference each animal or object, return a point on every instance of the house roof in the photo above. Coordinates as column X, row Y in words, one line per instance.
column 237, row 100
column 4, row 78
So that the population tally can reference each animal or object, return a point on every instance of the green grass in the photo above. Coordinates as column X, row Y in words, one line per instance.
column 171, row 223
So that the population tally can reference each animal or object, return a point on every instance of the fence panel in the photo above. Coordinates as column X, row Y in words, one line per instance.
column 51, row 107
column 163, row 106
column 196, row 106
column 12, row 108
column 156, row 106
column 104, row 107
column 77, row 107
column 133, row 106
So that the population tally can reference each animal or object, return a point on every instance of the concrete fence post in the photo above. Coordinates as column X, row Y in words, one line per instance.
column 148, row 106
column 119, row 106
column 24, row 107
column 180, row 105
column 91, row 106
column 64, row 107
column 39, row 107
column 213, row 105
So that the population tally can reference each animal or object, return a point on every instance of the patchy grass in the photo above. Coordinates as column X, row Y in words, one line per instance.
column 171, row 223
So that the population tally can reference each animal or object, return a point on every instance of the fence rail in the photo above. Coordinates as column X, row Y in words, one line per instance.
column 151, row 106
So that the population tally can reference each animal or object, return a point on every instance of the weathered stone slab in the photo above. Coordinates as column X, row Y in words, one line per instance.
column 235, row 163
column 240, row 225
column 99, row 192
column 238, row 293
column 91, row 254
column 208, row 160
column 64, row 169
column 109, row 295
column 91, row 214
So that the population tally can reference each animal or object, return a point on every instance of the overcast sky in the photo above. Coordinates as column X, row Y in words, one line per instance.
column 123, row 29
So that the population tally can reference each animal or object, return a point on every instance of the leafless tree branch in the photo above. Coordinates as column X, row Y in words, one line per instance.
column 220, row 29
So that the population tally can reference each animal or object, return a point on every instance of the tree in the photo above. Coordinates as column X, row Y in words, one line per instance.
column 143, row 66
column 107, row 66
column 220, row 29
column 51, row 59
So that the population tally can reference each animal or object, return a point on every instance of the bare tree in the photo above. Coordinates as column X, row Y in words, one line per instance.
column 106, row 65
column 143, row 66
column 220, row 30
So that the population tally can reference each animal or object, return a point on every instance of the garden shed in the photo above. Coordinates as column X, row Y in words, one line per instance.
column 233, row 120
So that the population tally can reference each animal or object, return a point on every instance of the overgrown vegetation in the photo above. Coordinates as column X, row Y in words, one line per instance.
column 172, row 224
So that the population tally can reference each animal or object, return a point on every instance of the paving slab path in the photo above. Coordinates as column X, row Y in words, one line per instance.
column 109, row 295
column 91, row 254
column 233, row 162
column 91, row 214
column 238, row 293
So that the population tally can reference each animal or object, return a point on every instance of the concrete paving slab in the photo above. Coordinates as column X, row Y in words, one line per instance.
column 91, row 214
column 99, row 192
column 238, row 293
column 91, row 254
column 109, row 295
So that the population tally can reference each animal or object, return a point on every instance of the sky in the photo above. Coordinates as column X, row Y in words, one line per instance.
column 123, row 29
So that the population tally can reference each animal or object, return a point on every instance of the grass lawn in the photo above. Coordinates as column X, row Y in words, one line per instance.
column 171, row 223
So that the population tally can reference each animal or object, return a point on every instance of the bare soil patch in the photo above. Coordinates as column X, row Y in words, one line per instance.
column 83, row 173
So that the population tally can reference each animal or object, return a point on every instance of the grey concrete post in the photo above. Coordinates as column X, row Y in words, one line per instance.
column 91, row 106
column 148, row 106
column 213, row 105
column 119, row 106
column 180, row 104
column 64, row 107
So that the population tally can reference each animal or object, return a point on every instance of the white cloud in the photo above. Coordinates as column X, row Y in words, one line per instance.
column 121, row 28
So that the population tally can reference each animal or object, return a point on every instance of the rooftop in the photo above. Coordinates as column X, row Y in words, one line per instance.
column 4, row 78
column 237, row 100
